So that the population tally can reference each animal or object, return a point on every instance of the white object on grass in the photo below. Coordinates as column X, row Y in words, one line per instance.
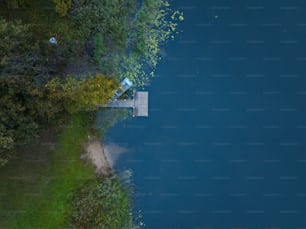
column 53, row 40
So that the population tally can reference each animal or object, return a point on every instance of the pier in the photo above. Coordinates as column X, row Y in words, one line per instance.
column 139, row 103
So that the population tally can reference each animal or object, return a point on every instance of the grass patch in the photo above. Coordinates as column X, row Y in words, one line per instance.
column 38, row 195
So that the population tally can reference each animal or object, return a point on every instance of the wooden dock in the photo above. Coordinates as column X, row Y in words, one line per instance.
column 139, row 103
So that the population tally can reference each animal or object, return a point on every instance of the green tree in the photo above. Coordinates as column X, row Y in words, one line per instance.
column 111, row 18
column 84, row 94
column 132, row 33
column 21, row 115
column 19, row 52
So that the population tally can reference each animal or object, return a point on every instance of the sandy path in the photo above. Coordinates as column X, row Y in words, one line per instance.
column 95, row 153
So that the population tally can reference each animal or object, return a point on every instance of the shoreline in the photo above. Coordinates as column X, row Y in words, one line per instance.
column 95, row 153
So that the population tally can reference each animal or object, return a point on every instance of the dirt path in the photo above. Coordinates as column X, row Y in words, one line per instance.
column 95, row 153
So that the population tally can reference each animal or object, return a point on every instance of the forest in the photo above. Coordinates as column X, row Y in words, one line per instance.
column 48, row 89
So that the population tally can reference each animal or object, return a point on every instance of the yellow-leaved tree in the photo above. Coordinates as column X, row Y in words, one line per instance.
column 85, row 94
column 62, row 6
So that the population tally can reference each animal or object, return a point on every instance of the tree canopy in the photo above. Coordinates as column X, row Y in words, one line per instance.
column 84, row 94
column 19, row 52
column 127, row 35
column 21, row 113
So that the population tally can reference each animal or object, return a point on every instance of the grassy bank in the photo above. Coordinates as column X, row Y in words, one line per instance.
column 35, row 190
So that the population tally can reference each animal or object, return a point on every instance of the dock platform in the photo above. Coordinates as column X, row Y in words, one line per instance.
column 139, row 103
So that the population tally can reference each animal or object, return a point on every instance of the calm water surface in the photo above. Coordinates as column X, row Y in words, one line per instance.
column 225, row 143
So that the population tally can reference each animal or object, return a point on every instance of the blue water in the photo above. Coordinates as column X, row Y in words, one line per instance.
column 224, row 145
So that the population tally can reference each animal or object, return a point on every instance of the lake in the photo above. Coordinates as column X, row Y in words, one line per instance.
column 224, row 145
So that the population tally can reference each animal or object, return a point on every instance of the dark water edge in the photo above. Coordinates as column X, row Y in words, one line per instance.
column 225, row 141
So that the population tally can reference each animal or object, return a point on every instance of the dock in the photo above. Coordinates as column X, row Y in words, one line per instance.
column 139, row 103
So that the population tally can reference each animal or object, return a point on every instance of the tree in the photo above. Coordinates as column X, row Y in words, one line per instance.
column 62, row 6
column 84, row 94
column 132, row 33
column 111, row 18
column 21, row 113
column 19, row 52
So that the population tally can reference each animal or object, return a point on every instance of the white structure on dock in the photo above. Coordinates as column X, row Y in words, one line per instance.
column 125, row 85
column 139, row 103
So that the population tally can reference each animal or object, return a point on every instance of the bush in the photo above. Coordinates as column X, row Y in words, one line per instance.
column 102, row 204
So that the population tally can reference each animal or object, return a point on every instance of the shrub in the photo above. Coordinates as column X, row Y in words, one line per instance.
column 102, row 204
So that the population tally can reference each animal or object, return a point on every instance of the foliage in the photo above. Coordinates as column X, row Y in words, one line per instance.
column 105, row 204
column 84, row 94
column 155, row 23
column 38, row 24
column 14, row 4
column 132, row 33
column 99, row 50
column 127, row 35
column 153, row 27
column 22, row 111
column 18, row 51
column 108, row 17
column 62, row 6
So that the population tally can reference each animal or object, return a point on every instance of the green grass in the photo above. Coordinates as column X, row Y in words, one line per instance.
column 37, row 194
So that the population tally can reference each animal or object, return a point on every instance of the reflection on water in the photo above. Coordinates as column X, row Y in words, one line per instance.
column 112, row 152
